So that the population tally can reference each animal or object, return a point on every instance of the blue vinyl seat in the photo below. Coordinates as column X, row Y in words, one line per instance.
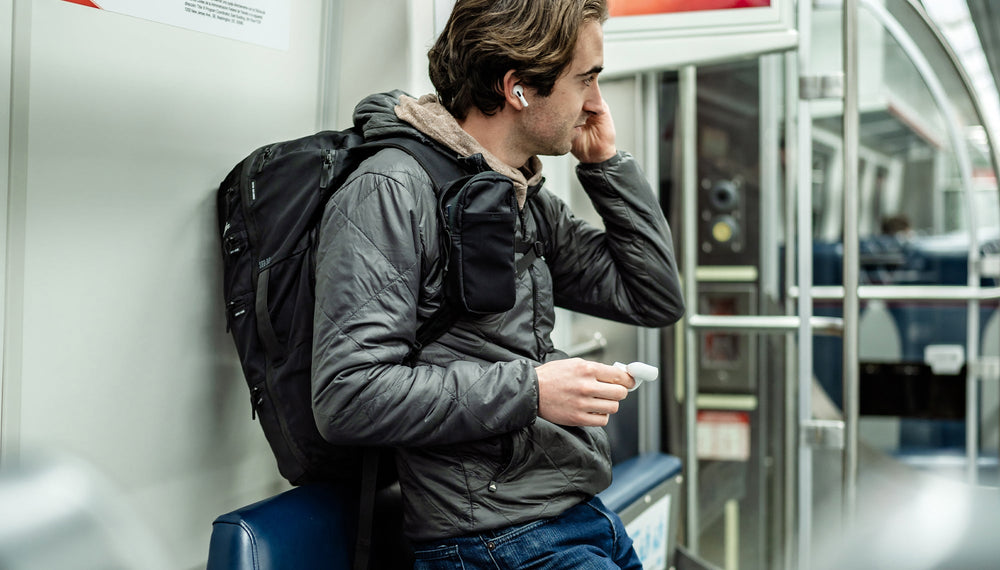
column 306, row 527
column 313, row 526
column 637, row 476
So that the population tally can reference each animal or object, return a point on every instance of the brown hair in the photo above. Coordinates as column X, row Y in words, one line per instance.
column 484, row 39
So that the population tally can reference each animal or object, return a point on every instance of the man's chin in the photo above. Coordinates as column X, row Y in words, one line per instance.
column 558, row 151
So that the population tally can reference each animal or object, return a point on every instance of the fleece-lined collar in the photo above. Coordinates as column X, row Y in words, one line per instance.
column 431, row 118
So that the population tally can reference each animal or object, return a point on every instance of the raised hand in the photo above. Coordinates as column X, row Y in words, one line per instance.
column 596, row 141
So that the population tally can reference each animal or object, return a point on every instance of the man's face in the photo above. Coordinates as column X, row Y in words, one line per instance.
column 550, row 124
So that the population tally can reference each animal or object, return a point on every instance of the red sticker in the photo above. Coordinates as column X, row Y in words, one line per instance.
column 83, row 3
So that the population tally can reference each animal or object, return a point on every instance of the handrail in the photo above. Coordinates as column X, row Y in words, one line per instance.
column 779, row 324
column 903, row 292
column 590, row 347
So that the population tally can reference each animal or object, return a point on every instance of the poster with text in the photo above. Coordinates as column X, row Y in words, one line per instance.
column 262, row 22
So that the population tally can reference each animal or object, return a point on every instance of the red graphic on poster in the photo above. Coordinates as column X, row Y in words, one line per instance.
column 83, row 3
column 723, row 436
column 262, row 22
column 643, row 7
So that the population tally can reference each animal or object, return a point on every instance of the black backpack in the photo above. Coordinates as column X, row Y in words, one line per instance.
column 269, row 208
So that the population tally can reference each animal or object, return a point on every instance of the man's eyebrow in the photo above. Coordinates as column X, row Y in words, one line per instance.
column 596, row 70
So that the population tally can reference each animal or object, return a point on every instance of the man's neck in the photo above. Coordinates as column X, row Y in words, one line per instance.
column 493, row 133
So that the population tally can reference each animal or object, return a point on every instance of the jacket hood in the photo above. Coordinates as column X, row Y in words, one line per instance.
column 396, row 113
column 375, row 117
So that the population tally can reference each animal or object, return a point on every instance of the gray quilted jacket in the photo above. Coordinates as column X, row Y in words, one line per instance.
column 472, row 453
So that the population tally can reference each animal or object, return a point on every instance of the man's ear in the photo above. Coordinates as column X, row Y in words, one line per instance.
column 512, row 86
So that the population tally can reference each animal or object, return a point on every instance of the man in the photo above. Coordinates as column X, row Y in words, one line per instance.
column 498, row 437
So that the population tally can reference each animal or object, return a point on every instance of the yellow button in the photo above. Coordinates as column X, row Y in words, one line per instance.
column 722, row 231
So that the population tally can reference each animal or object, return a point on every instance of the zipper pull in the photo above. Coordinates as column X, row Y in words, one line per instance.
column 256, row 399
column 492, row 488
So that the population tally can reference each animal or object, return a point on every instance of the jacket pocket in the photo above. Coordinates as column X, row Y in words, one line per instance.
column 480, row 213
column 511, row 454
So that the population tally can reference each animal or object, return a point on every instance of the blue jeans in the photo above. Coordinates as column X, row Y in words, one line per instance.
column 587, row 536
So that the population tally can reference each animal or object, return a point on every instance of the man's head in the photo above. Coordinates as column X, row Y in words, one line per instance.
column 485, row 39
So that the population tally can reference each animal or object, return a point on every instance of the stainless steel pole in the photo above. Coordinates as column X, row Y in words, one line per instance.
column 791, row 377
column 803, row 249
column 649, row 339
column 688, row 112
column 851, row 266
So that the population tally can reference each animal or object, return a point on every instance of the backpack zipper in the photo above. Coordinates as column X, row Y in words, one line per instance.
column 256, row 399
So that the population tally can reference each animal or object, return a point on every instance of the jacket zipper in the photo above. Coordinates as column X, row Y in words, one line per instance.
column 507, row 447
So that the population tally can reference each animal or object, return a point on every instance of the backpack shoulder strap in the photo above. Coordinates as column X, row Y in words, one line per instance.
column 366, row 512
column 542, row 223
column 542, row 245
column 443, row 168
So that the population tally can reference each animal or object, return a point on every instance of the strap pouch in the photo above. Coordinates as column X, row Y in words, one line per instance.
column 481, row 214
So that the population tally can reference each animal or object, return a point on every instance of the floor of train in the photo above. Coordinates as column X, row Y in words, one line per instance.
column 913, row 511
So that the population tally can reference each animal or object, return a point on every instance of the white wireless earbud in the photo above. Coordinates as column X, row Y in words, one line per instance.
column 519, row 93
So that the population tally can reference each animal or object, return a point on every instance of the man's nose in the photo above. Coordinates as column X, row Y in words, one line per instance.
column 594, row 103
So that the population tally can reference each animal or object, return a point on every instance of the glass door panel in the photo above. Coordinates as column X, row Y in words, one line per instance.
column 927, row 197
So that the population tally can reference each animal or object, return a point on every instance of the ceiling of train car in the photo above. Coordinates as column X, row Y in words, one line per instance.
column 885, row 132
column 972, row 28
column 985, row 16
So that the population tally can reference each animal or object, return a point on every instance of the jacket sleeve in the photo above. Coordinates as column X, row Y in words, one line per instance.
column 626, row 272
column 376, row 245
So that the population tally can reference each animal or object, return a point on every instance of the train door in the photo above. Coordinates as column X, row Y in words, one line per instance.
column 904, row 225
column 774, row 170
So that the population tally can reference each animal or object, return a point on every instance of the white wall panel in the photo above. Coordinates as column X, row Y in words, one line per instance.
column 125, row 360
column 383, row 46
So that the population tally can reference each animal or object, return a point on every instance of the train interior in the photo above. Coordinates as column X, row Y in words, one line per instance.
column 831, row 399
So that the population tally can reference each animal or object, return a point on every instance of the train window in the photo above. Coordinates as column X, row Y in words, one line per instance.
column 915, row 146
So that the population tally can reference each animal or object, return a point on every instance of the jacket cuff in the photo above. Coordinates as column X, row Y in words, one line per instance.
column 615, row 160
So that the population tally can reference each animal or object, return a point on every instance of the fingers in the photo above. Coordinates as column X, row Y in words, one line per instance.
column 590, row 419
column 609, row 378
column 614, row 375
column 577, row 392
